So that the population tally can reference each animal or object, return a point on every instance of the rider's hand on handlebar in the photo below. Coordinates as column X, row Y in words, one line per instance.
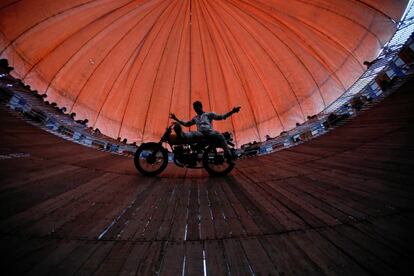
column 236, row 109
column 172, row 116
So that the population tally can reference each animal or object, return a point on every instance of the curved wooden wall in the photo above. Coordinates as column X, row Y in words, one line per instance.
column 339, row 204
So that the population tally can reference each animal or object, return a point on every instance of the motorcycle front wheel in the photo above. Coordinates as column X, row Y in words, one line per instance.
column 215, row 163
column 151, row 159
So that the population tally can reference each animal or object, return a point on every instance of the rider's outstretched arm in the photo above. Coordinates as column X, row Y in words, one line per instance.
column 226, row 115
column 186, row 124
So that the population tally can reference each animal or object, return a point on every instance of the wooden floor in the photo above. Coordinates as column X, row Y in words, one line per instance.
column 340, row 204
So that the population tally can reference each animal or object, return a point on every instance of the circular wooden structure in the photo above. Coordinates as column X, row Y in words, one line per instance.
column 339, row 204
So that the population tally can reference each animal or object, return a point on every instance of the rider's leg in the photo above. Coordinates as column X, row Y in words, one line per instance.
column 192, row 136
column 218, row 138
column 186, row 137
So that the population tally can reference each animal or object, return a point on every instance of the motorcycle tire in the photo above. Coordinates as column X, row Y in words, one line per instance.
column 155, row 148
column 209, row 169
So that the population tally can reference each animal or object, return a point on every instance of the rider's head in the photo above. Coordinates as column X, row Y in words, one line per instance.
column 198, row 107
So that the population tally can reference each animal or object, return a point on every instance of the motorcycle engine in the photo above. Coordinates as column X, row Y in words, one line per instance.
column 184, row 156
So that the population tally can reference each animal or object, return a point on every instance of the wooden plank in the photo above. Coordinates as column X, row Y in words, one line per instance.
column 137, row 214
column 133, row 218
column 156, row 219
column 102, row 212
column 194, row 258
column 83, row 156
column 164, row 231
column 174, row 261
column 30, row 195
column 193, row 216
column 64, row 220
column 216, row 262
column 394, row 229
column 246, row 220
column 221, row 228
column 309, row 215
column 369, row 205
column 206, row 218
column 339, row 165
column 93, row 262
column 376, row 164
column 330, row 259
column 230, row 216
column 334, row 199
column 386, row 256
column 235, row 257
column 40, row 214
column 362, row 257
column 258, row 258
column 288, row 218
column 28, row 256
column 256, row 206
column 66, row 214
column 77, row 259
column 55, row 257
column 328, row 213
column 179, row 226
column 114, row 261
column 12, row 180
column 374, row 189
column 151, row 263
column 288, row 257
column 134, row 259
column 23, row 251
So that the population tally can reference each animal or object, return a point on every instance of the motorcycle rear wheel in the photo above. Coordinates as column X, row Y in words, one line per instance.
column 151, row 159
column 215, row 163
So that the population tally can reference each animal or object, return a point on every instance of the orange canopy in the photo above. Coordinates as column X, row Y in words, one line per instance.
column 125, row 65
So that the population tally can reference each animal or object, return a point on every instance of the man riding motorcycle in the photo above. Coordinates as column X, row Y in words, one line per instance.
column 203, row 121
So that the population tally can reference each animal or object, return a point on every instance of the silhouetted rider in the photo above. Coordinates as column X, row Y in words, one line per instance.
column 203, row 121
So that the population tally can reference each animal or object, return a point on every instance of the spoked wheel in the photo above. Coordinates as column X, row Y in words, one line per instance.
column 151, row 159
column 215, row 162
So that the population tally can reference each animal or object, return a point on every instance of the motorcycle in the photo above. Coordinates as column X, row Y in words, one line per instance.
column 152, row 158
